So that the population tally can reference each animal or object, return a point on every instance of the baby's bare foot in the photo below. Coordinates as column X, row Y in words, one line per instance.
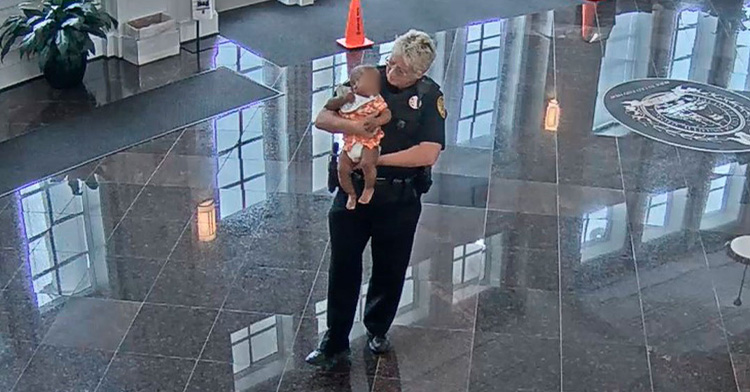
column 366, row 196
column 351, row 203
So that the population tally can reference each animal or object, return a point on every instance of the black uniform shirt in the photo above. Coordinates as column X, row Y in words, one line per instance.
column 418, row 115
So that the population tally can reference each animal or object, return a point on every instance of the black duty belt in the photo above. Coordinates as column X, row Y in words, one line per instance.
column 386, row 180
column 390, row 189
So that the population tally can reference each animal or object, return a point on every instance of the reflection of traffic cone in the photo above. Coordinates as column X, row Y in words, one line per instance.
column 588, row 21
column 355, row 29
column 354, row 59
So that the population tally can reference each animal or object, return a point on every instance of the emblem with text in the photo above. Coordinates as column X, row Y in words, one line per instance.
column 684, row 114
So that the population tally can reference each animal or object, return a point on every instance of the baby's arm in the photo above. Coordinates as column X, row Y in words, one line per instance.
column 336, row 103
column 384, row 113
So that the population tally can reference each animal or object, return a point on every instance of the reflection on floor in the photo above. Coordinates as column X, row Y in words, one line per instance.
column 587, row 259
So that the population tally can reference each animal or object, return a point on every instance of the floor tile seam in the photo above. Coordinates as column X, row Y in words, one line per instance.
column 665, row 283
column 247, row 267
column 18, row 269
column 304, row 312
column 667, row 340
column 552, row 335
column 147, row 182
column 566, row 214
column 181, row 306
column 517, row 210
column 375, row 376
column 264, row 265
column 458, row 207
column 431, row 329
column 434, row 282
column 559, row 245
column 516, row 335
column 7, row 203
column 140, row 308
column 637, row 274
column 592, row 187
column 529, row 289
column 151, row 355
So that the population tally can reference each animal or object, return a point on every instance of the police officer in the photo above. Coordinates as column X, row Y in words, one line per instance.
column 413, row 141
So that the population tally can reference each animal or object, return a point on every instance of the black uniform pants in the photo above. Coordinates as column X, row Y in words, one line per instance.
column 391, row 227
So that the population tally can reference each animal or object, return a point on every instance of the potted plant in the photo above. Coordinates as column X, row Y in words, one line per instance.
column 58, row 33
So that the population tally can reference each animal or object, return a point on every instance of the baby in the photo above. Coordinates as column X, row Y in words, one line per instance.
column 364, row 103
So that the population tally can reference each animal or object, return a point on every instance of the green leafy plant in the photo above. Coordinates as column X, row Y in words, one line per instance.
column 55, row 30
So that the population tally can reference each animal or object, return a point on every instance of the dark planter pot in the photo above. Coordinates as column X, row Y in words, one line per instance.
column 62, row 74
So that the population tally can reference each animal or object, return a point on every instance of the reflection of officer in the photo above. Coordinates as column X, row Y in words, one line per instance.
column 413, row 141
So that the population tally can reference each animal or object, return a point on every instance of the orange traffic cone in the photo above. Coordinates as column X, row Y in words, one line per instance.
column 355, row 29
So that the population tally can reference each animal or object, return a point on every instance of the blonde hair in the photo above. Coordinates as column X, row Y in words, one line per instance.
column 417, row 49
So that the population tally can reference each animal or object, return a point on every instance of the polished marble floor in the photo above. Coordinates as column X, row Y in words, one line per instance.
column 586, row 259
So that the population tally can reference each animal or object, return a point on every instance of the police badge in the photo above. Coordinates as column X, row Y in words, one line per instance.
column 684, row 114
column 441, row 106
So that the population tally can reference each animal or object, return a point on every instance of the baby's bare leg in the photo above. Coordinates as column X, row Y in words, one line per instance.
column 346, row 166
column 369, row 167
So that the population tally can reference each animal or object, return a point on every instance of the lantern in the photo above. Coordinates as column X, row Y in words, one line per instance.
column 207, row 221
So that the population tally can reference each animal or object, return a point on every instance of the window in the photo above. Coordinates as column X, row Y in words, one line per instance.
column 327, row 74
column 739, row 80
column 239, row 138
column 656, row 212
column 481, row 71
column 233, row 56
column 254, row 343
column 684, row 42
column 242, row 178
column 53, row 220
column 468, row 263
column 596, row 226
column 717, row 192
column 385, row 51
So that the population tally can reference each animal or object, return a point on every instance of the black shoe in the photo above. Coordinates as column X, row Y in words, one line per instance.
column 327, row 361
column 378, row 344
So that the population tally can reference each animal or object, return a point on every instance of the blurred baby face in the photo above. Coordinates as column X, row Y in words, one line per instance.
column 368, row 83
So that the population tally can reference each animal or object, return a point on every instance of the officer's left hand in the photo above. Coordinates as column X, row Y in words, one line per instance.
column 371, row 124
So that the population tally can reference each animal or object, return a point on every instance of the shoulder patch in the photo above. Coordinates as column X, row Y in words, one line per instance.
column 441, row 106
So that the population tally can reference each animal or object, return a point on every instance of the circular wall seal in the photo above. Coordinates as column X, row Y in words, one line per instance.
column 682, row 113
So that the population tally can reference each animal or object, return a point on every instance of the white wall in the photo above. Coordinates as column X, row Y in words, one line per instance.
column 14, row 71
column 226, row 5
